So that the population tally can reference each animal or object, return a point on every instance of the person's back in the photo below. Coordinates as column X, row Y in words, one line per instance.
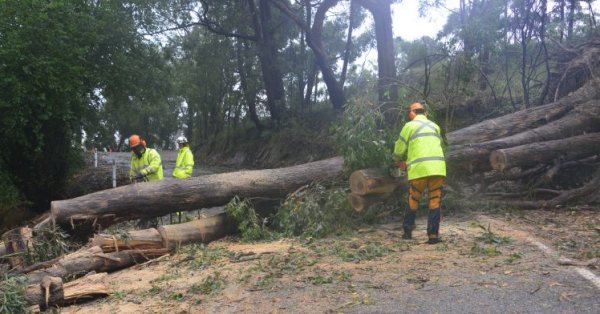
column 419, row 150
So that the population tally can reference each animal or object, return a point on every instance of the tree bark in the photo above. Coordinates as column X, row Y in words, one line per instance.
column 17, row 241
column 543, row 152
column 524, row 120
column 49, row 292
column 363, row 202
column 93, row 259
column 132, row 240
column 154, row 199
column 202, row 230
column 585, row 118
column 373, row 181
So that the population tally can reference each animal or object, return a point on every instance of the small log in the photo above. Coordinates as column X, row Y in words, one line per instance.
column 86, row 288
column 49, row 292
column 363, row 202
column 17, row 241
column 93, row 259
column 2, row 250
column 373, row 181
column 137, row 239
column 543, row 152
column 202, row 230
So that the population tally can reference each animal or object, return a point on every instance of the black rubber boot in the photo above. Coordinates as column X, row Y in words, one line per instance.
column 433, row 225
column 409, row 223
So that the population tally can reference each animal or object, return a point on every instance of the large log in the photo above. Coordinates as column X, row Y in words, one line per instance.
column 93, row 259
column 202, row 230
column 524, row 120
column 17, row 241
column 373, row 181
column 363, row 202
column 584, row 118
column 571, row 148
column 154, row 199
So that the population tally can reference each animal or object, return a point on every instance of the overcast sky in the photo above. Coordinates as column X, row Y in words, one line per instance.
column 409, row 25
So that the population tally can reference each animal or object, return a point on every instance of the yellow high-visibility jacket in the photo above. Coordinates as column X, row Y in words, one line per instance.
column 184, row 166
column 420, row 144
column 150, row 165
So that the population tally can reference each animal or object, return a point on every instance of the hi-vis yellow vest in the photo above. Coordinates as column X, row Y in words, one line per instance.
column 149, row 165
column 184, row 166
column 420, row 144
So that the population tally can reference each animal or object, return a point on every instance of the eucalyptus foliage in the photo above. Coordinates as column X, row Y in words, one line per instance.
column 251, row 226
column 361, row 137
column 12, row 294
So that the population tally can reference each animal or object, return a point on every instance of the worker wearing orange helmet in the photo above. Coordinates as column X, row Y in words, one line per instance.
column 419, row 151
column 146, row 164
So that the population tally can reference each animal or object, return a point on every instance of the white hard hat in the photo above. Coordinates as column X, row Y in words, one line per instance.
column 181, row 140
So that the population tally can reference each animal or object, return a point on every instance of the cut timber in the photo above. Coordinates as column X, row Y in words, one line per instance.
column 544, row 152
column 136, row 239
column 584, row 118
column 17, row 241
column 154, row 199
column 373, row 181
column 93, row 259
column 523, row 120
column 49, row 292
column 85, row 288
column 202, row 230
column 2, row 250
column 362, row 202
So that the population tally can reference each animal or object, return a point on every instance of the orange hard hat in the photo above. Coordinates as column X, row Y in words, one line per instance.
column 412, row 108
column 135, row 140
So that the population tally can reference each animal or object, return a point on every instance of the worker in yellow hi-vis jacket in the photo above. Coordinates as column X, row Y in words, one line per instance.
column 184, row 166
column 419, row 151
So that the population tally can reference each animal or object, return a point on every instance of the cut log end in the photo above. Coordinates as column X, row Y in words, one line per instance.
column 498, row 160
column 363, row 202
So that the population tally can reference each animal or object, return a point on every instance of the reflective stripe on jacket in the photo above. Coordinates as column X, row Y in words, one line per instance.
column 420, row 144
column 149, row 165
column 184, row 166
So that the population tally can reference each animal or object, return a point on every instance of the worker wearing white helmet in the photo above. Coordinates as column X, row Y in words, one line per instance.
column 184, row 166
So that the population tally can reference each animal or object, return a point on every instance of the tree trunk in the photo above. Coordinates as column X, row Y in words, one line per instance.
column 17, row 241
column 85, row 288
column 585, row 118
column 93, row 259
column 202, row 230
column 157, row 198
column 373, row 181
column 387, row 85
column 543, row 152
column 133, row 240
column 523, row 120
column 362, row 202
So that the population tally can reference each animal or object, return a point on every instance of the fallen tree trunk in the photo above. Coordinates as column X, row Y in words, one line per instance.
column 543, row 152
column 132, row 240
column 524, row 120
column 202, row 230
column 154, row 199
column 363, row 202
column 585, row 118
column 52, row 292
column 93, row 259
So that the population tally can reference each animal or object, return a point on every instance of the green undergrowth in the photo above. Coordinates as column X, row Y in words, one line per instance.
column 12, row 294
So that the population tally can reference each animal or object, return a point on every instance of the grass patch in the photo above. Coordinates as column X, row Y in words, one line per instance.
column 486, row 250
column 514, row 257
column 12, row 294
column 200, row 256
column 491, row 238
column 369, row 251
column 211, row 284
